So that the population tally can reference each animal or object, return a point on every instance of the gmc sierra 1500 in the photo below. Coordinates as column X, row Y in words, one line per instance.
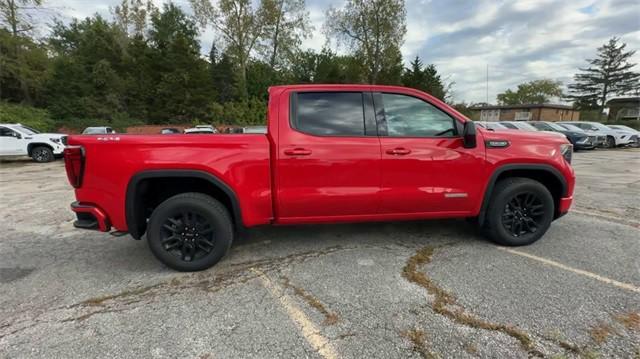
column 332, row 153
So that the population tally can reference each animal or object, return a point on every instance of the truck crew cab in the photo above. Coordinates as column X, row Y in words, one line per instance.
column 332, row 153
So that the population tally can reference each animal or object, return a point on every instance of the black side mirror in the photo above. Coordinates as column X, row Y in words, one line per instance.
column 17, row 135
column 469, row 135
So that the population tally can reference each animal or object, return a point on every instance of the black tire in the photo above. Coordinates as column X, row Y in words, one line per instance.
column 611, row 142
column 508, row 225
column 182, row 229
column 42, row 154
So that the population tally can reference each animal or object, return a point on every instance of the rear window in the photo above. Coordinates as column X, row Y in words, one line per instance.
column 329, row 113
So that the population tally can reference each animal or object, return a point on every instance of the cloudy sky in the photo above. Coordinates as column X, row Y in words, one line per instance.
column 518, row 40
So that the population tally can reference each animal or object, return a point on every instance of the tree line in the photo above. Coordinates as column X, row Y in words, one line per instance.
column 145, row 65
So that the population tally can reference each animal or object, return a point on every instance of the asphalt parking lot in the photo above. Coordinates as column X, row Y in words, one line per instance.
column 418, row 289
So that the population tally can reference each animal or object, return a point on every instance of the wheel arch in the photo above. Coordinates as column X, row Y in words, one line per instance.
column 548, row 175
column 172, row 182
column 33, row 145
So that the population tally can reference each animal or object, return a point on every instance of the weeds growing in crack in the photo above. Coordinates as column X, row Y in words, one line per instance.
column 601, row 332
column 418, row 339
column 330, row 318
column 446, row 304
column 630, row 320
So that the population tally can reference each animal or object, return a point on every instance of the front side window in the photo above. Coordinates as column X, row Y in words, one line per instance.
column 329, row 113
column 5, row 132
column 408, row 116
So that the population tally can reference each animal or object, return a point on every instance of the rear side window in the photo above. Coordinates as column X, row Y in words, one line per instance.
column 329, row 113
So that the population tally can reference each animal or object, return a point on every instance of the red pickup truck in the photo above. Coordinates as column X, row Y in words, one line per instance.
column 332, row 153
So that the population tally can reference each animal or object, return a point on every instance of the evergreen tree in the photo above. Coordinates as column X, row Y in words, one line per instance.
column 183, row 89
column 609, row 74
column 425, row 79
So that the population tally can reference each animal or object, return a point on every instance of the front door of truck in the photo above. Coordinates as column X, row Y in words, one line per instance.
column 328, row 157
column 425, row 168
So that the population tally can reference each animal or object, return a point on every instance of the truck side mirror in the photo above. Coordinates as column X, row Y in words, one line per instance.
column 469, row 135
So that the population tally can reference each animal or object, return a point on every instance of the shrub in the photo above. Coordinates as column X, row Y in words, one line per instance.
column 36, row 118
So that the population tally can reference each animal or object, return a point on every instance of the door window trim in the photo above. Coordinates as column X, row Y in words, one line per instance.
column 382, row 120
column 369, row 117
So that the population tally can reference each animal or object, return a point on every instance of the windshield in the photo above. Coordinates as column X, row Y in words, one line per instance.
column 555, row 126
column 525, row 126
column 570, row 127
column 27, row 130
column 541, row 126
column 600, row 126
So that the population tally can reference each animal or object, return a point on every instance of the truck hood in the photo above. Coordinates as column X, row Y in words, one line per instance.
column 47, row 135
column 517, row 135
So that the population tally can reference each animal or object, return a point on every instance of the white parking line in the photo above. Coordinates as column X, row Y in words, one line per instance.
column 585, row 273
column 617, row 220
column 309, row 330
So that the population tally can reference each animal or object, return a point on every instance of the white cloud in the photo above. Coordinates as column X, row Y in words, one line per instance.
column 520, row 40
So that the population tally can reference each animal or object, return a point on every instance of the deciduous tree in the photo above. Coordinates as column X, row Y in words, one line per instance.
column 374, row 29
column 532, row 92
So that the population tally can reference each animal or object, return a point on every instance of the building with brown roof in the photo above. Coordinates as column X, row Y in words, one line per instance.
column 527, row 112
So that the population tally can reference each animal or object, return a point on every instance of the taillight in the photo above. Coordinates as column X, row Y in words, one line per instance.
column 74, row 164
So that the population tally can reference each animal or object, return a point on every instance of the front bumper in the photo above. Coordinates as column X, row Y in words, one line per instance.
column 90, row 217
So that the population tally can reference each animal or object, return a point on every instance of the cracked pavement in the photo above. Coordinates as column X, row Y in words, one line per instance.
column 341, row 291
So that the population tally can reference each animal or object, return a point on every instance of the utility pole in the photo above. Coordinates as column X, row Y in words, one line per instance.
column 487, row 102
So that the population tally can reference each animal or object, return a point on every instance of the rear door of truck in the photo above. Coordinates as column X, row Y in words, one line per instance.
column 328, row 155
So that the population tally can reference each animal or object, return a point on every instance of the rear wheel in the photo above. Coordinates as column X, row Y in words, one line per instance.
column 190, row 232
column 42, row 154
column 520, row 212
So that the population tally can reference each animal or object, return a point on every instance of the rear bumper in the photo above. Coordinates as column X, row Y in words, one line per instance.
column 564, row 205
column 90, row 217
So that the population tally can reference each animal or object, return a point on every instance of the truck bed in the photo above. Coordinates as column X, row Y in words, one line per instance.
column 238, row 159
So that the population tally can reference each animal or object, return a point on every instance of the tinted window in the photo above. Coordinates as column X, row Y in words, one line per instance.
column 408, row 116
column 5, row 132
column 508, row 125
column 330, row 113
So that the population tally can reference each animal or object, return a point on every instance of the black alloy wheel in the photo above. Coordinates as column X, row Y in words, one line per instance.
column 190, row 231
column 187, row 235
column 522, row 214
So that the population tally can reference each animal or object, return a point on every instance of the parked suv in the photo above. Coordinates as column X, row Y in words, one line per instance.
column 332, row 153
column 579, row 140
column 614, row 138
column 20, row 140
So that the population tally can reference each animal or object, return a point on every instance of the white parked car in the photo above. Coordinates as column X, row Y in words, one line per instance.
column 201, row 129
column 100, row 130
column 614, row 137
column 632, row 131
column 20, row 140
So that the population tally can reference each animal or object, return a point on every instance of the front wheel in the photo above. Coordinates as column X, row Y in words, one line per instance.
column 190, row 232
column 520, row 212
column 611, row 142
column 42, row 154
